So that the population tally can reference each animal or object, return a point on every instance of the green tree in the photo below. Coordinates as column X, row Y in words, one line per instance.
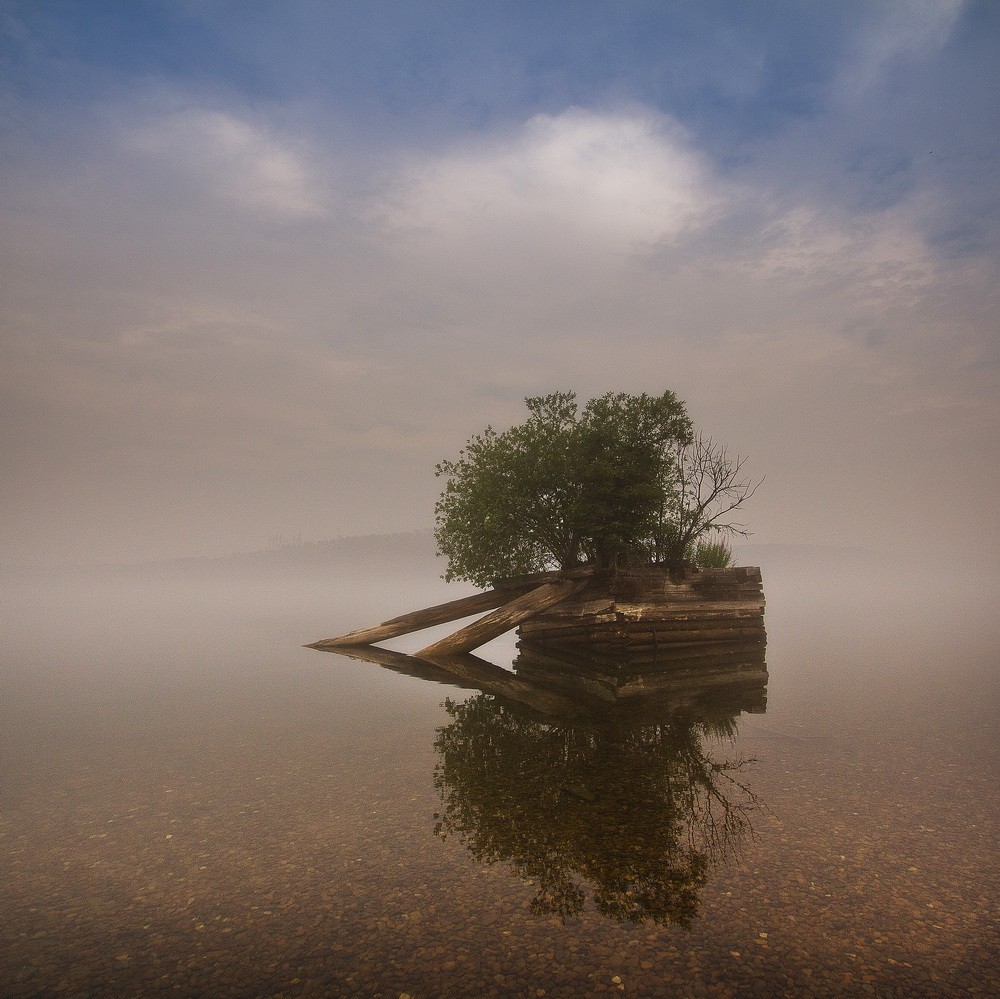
column 506, row 509
column 626, row 466
column 563, row 486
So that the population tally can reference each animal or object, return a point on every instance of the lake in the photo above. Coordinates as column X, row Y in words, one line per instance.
column 191, row 803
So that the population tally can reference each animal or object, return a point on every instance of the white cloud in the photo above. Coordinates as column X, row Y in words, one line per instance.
column 235, row 161
column 626, row 180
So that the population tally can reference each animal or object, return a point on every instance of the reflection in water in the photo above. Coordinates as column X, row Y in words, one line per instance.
column 591, row 776
column 633, row 813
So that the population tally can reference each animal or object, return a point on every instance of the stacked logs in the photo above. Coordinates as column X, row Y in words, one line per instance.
column 648, row 613
column 645, row 614
column 636, row 640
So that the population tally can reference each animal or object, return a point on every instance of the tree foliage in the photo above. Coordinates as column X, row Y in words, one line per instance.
column 507, row 504
column 624, row 481
column 624, row 463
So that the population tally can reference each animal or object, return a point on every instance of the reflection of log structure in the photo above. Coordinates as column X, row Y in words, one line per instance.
column 736, row 675
column 588, row 771
column 472, row 673
column 573, row 687
column 641, row 613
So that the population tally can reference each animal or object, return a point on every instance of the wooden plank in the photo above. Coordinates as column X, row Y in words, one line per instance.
column 661, row 631
column 599, row 607
column 502, row 619
column 534, row 579
column 660, row 656
column 679, row 634
column 545, row 625
column 633, row 615
column 426, row 618
column 691, row 608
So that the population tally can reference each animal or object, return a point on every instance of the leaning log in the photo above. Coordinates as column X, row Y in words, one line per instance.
column 426, row 618
column 502, row 619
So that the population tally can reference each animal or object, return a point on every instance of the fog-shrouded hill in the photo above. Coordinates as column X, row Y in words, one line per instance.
column 414, row 552
column 412, row 555
column 410, row 551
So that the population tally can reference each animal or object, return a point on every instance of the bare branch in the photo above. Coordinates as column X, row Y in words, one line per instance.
column 710, row 484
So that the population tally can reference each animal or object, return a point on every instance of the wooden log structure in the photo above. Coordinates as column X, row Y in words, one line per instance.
column 586, row 688
column 646, row 613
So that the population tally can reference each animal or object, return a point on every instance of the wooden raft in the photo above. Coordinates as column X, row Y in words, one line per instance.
column 640, row 613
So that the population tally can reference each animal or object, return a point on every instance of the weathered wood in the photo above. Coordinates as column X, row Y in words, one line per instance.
column 690, row 609
column 633, row 613
column 426, row 618
column 502, row 619
column 534, row 579
column 571, row 615
column 666, row 632
column 570, row 688
column 644, row 609
column 658, row 657
column 656, row 650
column 632, row 626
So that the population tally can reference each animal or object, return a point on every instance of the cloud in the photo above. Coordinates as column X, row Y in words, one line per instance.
column 899, row 30
column 234, row 160
column 625, row 180
column 912, row 27
column 541, row 228
column 209, row 342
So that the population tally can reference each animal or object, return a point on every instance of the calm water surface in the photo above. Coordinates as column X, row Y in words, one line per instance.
column 193, row 804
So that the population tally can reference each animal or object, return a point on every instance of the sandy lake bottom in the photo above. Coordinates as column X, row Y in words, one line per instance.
column 191, row 804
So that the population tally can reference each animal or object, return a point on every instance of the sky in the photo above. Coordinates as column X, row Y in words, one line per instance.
column 263, row 265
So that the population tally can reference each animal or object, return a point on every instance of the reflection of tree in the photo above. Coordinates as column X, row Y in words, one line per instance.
column 636, row 813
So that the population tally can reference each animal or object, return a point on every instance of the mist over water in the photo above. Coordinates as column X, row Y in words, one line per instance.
column 192, row 803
